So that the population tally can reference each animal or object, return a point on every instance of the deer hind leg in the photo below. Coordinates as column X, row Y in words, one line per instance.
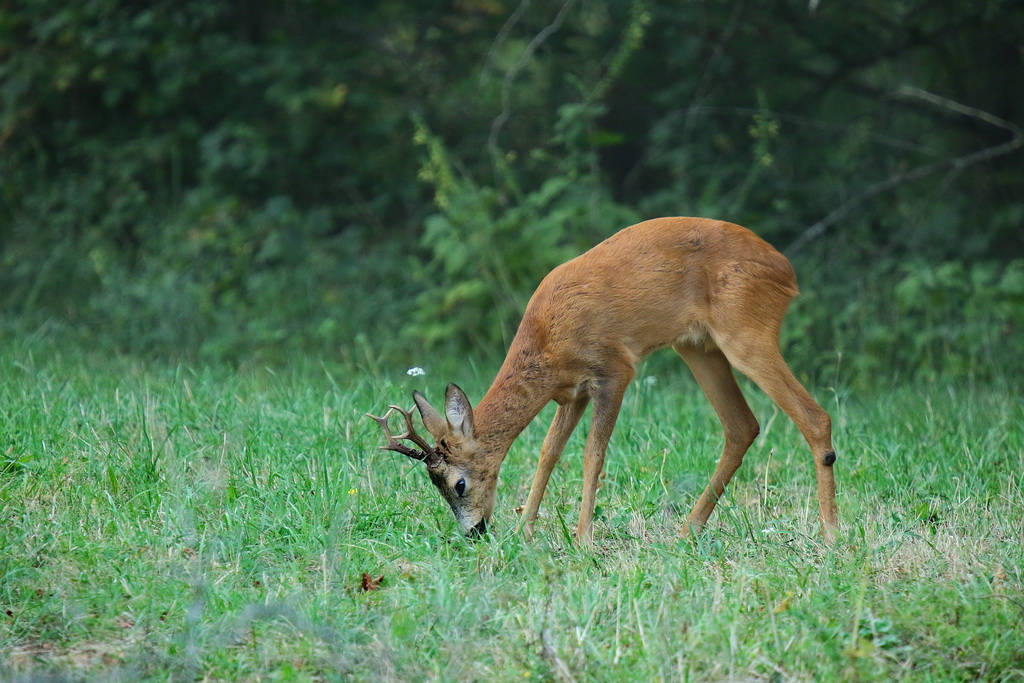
column 757, row 356
column 713, row 373
column 567, row 416
column 607, row 395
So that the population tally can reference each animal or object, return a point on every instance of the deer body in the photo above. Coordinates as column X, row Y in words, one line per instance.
column 714, row 291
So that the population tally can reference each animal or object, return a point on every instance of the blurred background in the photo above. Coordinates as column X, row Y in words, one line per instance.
column 209, row 180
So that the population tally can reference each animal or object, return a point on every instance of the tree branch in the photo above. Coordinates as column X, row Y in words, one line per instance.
column 954, row 165
column 510, row 75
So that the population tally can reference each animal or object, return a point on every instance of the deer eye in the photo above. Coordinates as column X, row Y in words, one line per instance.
column 460, row 487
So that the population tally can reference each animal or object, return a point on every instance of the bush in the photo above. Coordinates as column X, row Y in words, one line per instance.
column 491, row 246
column 912, row 320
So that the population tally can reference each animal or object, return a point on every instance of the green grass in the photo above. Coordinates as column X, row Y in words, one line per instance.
column 169, row 523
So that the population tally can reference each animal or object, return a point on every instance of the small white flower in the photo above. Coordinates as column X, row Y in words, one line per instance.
column 650, row 380
column 416, row 372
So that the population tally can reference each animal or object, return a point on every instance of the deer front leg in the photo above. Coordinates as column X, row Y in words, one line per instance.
column 566, row 418
column 607, row 402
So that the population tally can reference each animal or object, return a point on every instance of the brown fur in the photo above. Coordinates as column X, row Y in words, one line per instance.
column 716, row 292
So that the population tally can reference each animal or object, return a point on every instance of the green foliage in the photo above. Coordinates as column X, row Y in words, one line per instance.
column 137, row 137
column 913, row 319
column 209, row 178
column 960, row 319
column 492, row 245
column 237, row 282
column 492, row 242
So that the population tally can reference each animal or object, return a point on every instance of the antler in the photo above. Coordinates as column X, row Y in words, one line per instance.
column 427, row 455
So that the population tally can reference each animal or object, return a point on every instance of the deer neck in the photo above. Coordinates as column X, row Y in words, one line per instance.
column 519, row 392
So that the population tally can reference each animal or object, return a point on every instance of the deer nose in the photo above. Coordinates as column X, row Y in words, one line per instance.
column 478, row 530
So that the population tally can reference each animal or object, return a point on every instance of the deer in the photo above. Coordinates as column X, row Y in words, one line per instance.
column 713, row 291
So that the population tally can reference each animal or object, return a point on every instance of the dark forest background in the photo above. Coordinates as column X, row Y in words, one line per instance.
column 204, row 179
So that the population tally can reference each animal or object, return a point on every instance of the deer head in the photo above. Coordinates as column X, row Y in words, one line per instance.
column 466, row 482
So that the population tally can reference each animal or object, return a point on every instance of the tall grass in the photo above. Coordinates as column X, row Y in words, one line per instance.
column 168, row 522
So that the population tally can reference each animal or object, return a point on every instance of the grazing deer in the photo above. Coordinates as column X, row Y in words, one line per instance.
column 713, row 291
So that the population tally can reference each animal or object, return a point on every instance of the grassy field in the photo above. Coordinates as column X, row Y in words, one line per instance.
column 176, row 523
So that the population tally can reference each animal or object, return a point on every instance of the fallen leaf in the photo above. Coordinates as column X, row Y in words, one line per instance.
column 863, row 648
column 370, row 583
column 999, row 576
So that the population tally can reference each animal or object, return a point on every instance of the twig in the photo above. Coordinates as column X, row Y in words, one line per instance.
column 803, row 121
column 1003, row 596
column 510, row 75
column 701, row 91
column 688, row 114
column 910, row 91
column 954, row 165
column 503, row 36
column 562, row 672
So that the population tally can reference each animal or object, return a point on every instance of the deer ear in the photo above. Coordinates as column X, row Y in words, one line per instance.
column 432, row 419
column 459, row 411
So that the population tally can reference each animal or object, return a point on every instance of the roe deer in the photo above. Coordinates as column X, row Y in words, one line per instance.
column 713, row 291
